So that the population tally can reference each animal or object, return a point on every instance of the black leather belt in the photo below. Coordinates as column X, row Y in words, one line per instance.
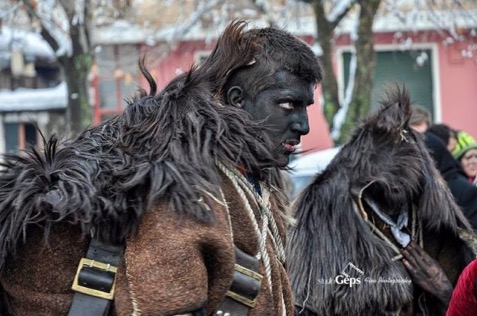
column 246, row 283
column 95, row 279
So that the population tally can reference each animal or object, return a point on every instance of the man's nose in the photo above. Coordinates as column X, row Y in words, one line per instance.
column 301, row 125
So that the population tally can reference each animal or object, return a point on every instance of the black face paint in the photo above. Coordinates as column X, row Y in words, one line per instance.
column 283, row 108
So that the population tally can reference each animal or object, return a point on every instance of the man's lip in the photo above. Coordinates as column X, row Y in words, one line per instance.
column 290, row 146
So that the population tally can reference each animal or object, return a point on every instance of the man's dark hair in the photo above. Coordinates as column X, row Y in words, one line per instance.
column 250, row 58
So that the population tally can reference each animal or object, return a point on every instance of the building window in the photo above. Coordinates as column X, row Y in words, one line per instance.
column 406, row 68
column 19, row 136
column 116, row 79
column 28, row 71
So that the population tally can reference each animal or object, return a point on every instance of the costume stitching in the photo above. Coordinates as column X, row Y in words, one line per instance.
column 136, row 310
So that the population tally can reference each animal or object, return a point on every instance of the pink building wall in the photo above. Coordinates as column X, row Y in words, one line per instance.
column 458, row 85
column 319, row 137
column 456, row 76
column 456, row 79
column 179, row 60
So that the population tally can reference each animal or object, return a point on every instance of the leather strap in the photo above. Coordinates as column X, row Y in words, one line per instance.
column 246, row 285
column 96, row 279
column 4, row 305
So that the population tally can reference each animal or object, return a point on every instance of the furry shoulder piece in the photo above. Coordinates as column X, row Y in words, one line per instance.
column 162, row 149
column 388, row 164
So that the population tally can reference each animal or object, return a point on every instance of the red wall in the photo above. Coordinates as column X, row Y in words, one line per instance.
column 458, row 86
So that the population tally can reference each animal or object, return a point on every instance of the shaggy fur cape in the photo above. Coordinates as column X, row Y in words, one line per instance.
column 162, row 148
column 329, row 234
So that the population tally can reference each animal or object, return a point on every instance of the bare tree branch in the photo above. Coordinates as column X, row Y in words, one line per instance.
column 47, row 36
column 338, row 19
column 264, row 8
column 184, row 28
column 9, row 11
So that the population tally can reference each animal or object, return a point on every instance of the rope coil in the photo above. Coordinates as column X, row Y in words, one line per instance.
column 269, row 225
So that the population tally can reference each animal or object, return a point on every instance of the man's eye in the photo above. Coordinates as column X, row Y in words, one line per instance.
column 286, row 105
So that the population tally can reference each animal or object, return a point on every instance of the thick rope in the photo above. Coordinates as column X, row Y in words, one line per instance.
column 262, row 254
column 263, row 247
column 242, row 185
column 274, row 233
column 263, row 203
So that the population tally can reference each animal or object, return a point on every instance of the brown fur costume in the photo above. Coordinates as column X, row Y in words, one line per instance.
column 150, row 178
column 195, row 265
column 385, row 164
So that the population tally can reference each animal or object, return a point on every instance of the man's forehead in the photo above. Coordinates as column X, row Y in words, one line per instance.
column 292, row 84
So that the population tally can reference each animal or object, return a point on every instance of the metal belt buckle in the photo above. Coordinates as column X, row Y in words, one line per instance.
column 253, row 283
column 101, row 266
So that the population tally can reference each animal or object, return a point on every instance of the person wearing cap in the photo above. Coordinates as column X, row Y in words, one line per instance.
column 465, row 194
column 465, row 152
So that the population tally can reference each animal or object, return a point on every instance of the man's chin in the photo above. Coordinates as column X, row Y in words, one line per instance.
column 283, row 160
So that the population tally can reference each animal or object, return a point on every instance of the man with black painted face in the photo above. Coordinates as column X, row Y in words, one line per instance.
column 276, row 87
column 187, row 179
column 282, row 106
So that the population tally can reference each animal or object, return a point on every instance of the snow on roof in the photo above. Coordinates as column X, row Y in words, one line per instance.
column 396, row 22
column 426, row 20
column 120, row 32
column 124, row 32
column 33, row 99
column 27, row 42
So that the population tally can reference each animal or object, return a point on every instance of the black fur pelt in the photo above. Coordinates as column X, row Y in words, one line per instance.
column 162, row 149
column 330, row 233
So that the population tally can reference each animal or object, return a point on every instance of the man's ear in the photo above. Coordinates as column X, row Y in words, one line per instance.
column 235, row 96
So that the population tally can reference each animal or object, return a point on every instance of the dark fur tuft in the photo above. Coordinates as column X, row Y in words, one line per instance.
column 329, row 234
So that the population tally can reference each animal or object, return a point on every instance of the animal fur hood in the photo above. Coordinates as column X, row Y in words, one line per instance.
column 385, row 164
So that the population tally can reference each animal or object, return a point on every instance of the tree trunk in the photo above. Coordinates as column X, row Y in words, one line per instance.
column 78, row 112
column 329, row 87
column 365, row 68
column 75, row 64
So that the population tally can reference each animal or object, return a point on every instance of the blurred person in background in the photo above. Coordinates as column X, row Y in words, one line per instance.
column 446, row 133
column 421, row 119
column 465, row 152
column 465, row 194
